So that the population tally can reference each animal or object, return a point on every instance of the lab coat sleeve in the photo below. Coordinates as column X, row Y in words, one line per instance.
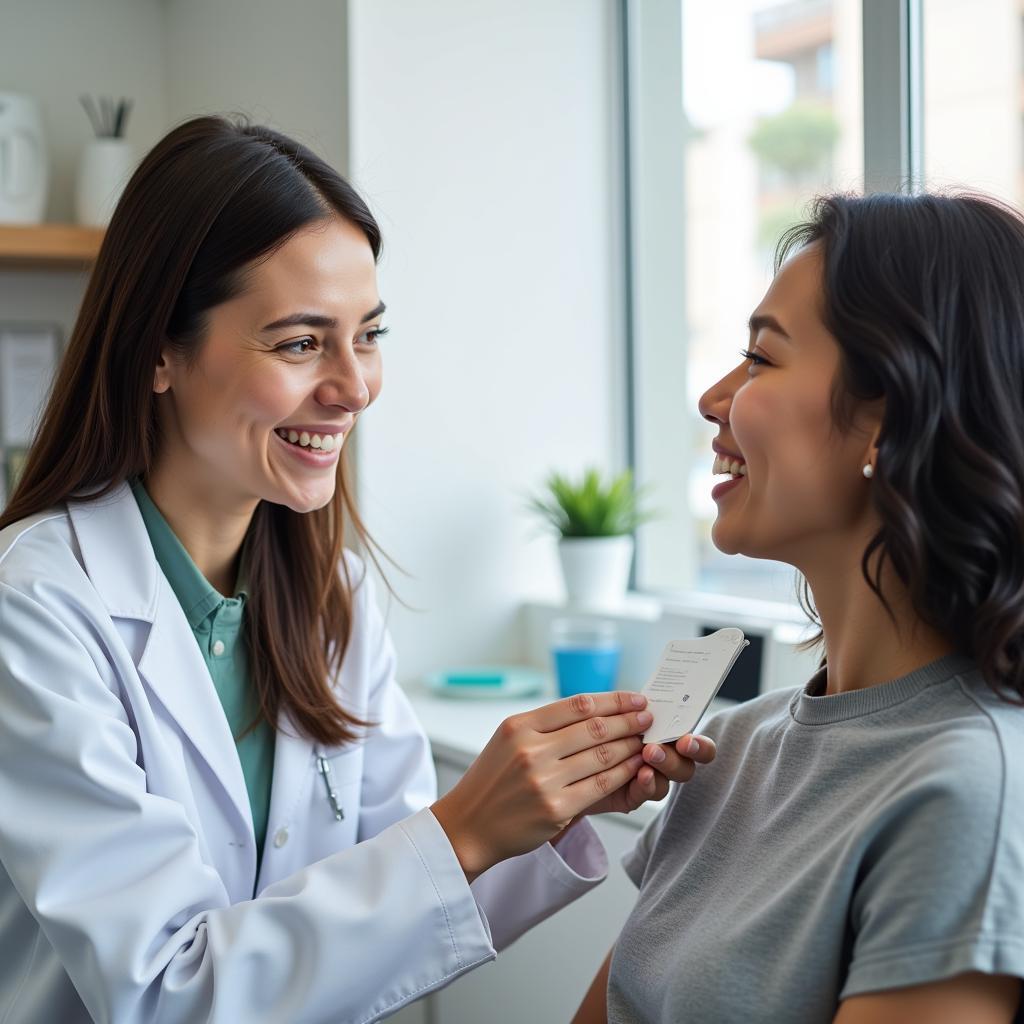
column 143, row 927
column 517, row 893
column 522, row 891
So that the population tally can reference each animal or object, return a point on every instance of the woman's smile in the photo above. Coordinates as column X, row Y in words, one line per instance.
column 318, row 450
column 723, row 488
column 727, row 462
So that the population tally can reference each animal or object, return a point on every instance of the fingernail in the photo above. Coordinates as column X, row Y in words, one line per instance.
column 692, row 747
column 657, row 755
column 644, row 718
column 639, row 700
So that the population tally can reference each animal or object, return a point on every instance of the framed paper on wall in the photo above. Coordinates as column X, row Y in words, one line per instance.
column 29, row 354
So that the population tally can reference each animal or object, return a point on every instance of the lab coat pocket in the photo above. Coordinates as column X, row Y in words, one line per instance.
column 334, row 796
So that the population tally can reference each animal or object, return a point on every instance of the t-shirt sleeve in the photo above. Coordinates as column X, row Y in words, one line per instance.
column 635, row 860
column 940, row 890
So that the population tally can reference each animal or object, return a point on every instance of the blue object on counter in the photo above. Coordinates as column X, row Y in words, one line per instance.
column 586, row 655
column 586, row 671
column 494, row 681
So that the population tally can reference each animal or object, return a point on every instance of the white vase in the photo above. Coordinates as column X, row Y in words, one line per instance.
column 596, row 569
column 103, row 171
column 24, row 165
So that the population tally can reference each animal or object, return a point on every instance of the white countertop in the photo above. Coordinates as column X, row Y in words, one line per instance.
column 459, row 728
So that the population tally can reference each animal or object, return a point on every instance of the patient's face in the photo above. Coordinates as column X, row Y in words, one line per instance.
column 804, row 491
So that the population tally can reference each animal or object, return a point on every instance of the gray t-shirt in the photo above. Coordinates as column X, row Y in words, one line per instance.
column 837, row 845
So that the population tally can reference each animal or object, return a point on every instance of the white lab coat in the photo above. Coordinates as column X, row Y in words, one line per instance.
column 127, row 855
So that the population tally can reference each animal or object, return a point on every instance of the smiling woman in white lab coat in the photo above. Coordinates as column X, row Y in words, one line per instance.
column 217, row 803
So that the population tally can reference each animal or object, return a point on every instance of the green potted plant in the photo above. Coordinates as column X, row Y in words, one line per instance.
column 595, row 519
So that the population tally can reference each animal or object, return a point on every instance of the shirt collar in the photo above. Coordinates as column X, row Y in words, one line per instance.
column 192, row 589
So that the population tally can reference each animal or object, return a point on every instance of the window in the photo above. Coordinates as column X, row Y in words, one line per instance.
column 738, row 114
column 974, row 96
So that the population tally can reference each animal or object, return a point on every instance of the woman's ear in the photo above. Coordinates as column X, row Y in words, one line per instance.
column 868, row 421
column 871, row 451
column 162, row 374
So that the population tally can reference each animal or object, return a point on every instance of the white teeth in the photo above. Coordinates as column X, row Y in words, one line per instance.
column 324, row 442
column 731, row 466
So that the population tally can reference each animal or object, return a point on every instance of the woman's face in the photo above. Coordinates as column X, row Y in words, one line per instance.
column 292, row 359
column 804, row 490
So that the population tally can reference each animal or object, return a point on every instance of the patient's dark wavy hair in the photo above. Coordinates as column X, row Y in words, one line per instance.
column 925, row 296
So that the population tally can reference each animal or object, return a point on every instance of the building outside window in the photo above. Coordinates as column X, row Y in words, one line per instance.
column 739, row 114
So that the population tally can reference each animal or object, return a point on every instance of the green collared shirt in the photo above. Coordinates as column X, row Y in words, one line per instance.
column 216, row 622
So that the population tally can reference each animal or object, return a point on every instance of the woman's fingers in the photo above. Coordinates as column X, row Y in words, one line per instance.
column 582, row 706
column 597, row 759
column 678, row 761
column 598, row 731
column 648, row 785
column 583, row 794
column 667, row 761
column 703, row 754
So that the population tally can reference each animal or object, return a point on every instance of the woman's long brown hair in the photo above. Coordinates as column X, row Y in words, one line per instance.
column 210, row 198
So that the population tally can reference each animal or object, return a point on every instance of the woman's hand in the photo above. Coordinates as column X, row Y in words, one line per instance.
column 663, row 763
column 539, row 771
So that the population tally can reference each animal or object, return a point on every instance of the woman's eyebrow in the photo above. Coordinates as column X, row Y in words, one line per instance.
column 762, row 321
column 303, row 319
column 317, row 319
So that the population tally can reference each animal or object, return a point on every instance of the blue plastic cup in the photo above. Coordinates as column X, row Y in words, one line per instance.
column 586, row 654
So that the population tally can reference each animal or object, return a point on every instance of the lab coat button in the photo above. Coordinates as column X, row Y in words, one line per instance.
column 280, row 837
column 218, row 648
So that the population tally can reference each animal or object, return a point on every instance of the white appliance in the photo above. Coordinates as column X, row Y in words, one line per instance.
column 24, row 166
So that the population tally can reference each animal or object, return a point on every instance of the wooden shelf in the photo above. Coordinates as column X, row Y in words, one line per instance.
column 48, row 246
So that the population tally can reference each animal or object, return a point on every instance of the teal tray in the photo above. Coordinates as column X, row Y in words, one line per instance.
column 495, row 682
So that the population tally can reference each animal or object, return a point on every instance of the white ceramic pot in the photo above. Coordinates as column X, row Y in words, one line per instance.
column 103, row 171
column 596, row 569
column 24, row 166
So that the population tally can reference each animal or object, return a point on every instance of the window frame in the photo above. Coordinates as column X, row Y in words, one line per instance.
column 654, row 242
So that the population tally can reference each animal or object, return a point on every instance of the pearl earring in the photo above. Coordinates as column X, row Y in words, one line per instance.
column 869, row 471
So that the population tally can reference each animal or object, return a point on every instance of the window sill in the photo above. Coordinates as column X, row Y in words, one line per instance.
column 646, row 622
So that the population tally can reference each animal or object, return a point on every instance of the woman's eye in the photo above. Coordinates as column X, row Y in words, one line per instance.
column 754, row 357
column 291, row 346
column 371, row 336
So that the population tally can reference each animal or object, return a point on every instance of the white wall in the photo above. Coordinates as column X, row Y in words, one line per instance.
column 283, row 64
column 54, row 50
column 486, row 136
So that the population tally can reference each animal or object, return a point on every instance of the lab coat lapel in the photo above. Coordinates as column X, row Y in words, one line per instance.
column 173, row 669
column 120, row 561
column 293, row 758
column 293, row 773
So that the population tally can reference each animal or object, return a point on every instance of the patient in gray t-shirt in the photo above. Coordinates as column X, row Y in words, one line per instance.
column 855, row 852
column 837, row 845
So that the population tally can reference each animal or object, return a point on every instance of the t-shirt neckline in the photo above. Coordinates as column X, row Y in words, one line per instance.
column 808, row 709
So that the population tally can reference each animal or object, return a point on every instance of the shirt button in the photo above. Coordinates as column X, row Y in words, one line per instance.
column 280, row 837
column 218, row 647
